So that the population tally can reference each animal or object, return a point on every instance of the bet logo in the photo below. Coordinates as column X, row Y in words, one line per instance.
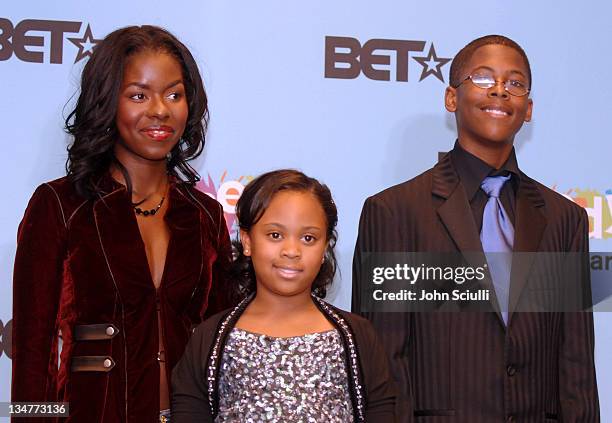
column 346, row 58
column 19, row 40
column 5, row 338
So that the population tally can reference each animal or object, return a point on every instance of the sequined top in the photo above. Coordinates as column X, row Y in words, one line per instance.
column 296, row 379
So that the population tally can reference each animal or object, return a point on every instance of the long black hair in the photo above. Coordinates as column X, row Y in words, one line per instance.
column 92, row 122
column 254, row 202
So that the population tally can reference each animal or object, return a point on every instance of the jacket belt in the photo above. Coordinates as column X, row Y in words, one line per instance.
column 92, row 363
column 98, row 332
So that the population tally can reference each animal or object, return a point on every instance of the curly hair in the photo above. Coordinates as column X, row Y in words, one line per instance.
column 92, row 122
column 254, row 202
column 465, row 54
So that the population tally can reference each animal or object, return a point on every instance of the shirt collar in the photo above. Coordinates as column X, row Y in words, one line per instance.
column 472, row 170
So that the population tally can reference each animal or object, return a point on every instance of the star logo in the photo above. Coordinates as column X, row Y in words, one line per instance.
column 432, row 64
column 86, row 44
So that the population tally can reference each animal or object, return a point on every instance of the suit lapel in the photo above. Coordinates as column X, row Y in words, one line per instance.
column 456, row 216
column 529, row 229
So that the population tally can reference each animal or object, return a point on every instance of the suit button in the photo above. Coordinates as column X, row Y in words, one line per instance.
column 110, row 331
column 511, row 370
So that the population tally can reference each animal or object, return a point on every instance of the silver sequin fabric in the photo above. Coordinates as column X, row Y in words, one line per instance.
column 296, row 379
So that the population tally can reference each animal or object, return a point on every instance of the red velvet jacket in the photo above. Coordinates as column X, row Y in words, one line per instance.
column 81, row 263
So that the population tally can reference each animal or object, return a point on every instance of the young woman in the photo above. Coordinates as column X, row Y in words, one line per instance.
column 284, row 354
column 118, row 258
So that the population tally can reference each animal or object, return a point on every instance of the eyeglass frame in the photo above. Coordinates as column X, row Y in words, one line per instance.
column 483, row 88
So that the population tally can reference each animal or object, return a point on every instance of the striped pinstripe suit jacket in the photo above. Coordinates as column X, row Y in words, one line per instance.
column 470, row 367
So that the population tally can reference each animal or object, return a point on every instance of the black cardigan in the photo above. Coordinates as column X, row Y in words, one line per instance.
column 195, row 378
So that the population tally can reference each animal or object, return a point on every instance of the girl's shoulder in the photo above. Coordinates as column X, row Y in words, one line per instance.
column 215, row 328
column 361, row 327
column 210, row 327
column 355, row 319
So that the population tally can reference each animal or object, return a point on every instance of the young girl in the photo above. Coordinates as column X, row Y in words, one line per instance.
column 283, row 354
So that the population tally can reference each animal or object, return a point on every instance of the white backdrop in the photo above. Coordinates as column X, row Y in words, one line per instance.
column 272, row 106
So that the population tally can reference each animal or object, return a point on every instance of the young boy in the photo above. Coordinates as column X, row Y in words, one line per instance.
column 483, row 367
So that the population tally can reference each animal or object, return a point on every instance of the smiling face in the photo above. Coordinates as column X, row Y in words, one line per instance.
column 490, row 117
column 152, row 109
column 287, row 244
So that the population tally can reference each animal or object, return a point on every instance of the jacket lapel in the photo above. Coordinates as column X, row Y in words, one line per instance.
column 124, row 249
column 455, row 212
column 456, row 216
column 185, row 258
column 529, row 229
column 121, row 243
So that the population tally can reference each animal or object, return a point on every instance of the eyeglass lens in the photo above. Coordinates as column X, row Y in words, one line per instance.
column 512, row 86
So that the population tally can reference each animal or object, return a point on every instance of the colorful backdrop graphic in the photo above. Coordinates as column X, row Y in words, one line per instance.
column 226, row 192
column 599, row 209
column 350, row 92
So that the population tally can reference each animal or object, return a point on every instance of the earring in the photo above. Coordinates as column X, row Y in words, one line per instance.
column 323, row 260
column 246, row 251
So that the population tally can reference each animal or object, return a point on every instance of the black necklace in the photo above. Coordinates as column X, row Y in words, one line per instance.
column 151, row 212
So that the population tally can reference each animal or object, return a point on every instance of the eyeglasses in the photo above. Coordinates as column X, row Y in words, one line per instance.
column 512, row 86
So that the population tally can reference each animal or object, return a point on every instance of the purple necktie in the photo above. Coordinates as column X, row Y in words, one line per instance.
column 497, row 237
